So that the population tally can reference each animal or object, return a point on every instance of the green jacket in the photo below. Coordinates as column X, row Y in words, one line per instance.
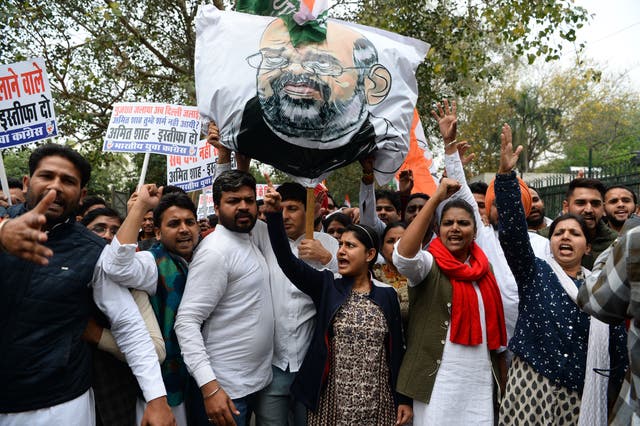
column 603, row 239
column 429, row 317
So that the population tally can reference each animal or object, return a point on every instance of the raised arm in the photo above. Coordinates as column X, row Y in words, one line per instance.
column 303, row 276
column 120, row 261
column 513, row 232
column 367, row 198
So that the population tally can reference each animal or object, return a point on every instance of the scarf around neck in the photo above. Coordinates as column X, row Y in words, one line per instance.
column 466, row 327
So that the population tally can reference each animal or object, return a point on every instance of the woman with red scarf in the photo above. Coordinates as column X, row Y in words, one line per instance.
column 456, row 321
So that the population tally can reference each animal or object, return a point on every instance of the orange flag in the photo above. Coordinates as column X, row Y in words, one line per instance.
column 419, row 159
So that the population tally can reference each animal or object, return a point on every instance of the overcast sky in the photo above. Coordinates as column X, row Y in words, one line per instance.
column 613, row 35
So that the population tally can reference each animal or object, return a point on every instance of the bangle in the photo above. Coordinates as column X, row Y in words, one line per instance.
column 447, row 145
column 2, row 224
column 212, row 393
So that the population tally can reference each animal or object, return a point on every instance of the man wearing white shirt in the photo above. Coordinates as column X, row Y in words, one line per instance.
column 294, row 311
column 225, row 323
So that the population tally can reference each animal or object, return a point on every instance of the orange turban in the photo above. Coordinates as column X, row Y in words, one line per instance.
column 525, row 196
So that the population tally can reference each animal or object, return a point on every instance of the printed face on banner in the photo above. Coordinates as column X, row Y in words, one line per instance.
column 308, row 109
column 318, row 91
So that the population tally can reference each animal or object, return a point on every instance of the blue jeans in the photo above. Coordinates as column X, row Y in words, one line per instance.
column 246, row 406
column 275, row 405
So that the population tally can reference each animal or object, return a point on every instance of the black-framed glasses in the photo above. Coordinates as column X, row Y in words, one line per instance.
column 101, row 229
column 317, row 66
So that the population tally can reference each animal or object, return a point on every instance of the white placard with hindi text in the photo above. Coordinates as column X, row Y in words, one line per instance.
column 153, row 127
column 26, row 105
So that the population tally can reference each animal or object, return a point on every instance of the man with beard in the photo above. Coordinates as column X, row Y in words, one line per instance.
column 48, row 263
column 619, row 204
column 225, row 323
column 310, row 115
column 537, row 219
column 585, row 197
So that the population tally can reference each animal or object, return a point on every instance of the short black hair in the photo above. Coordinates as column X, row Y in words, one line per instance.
column 51, row 150
column 421, row 195
column 213, row 220
column 14, row 183
column 633, row 194
column 170, row 189
column 102, row 211
column 478, row 187
column 173, row 199
column 575, row 217
column 393, row 197
column 231, row 180
column 292, row 191
column 91, row 200
column 585, row 183
column 336, row 217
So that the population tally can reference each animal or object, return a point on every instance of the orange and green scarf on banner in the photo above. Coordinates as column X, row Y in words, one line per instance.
column 306, row 20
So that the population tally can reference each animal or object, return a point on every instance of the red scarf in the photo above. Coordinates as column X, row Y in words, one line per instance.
column 465, row 314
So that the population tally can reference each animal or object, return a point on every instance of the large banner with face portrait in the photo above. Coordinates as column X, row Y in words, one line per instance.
column 310, row 109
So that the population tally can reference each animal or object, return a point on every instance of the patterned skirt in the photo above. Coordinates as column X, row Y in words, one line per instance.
column 357, row 392
column 532, row 399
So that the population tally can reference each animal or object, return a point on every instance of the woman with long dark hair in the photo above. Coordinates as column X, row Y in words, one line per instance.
column 349, row 373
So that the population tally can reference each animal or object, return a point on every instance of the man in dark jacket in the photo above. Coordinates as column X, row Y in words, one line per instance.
column 47, row 262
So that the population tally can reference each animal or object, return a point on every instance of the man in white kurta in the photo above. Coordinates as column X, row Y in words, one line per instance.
column 225, row 323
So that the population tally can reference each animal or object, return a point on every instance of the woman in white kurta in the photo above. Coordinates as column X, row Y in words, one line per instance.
column 455, row 272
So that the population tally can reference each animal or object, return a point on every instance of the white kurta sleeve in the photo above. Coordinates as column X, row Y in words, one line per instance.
column 129, row 268
column 130, row 333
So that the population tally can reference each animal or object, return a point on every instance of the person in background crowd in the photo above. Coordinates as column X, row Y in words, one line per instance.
column 388, row 273
column 204, row 225
column 45, row 291
column 89, row 203
column 103, row 221
column 619, row 203
column 358, row 332
column 387, row 206
column 414, row 205
column 335, row 224
column 536, row 220
column 585, row 197
column 294, row 312
column 114, row 385
column 556, row 346
column 479, row 191
column 261, row 215
column 331, row 205
column 15, row 192
column 162, row 272
column 610, row 294
column 456, row 321
column 225, row 323
column 147, row 235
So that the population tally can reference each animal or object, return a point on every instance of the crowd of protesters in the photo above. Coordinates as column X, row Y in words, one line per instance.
column 473, row 305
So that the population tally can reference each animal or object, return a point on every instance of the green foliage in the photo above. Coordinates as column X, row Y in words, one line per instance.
column 98, row 52
column 558, row 119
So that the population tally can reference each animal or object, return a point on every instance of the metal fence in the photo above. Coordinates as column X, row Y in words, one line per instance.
column 553, row 189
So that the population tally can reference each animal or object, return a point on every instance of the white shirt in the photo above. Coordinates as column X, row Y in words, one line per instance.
column 127, row 326
column 293, row 310
column 225, row 321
